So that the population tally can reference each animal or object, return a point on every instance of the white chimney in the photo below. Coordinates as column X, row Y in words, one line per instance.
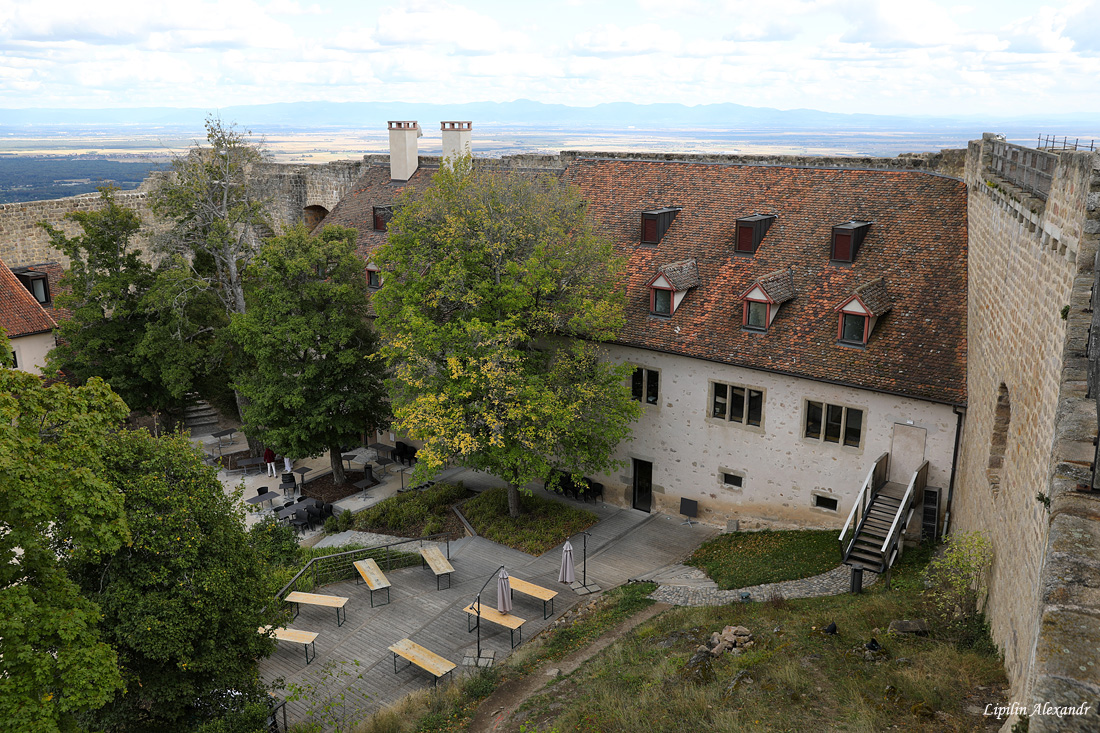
column 456, row 139
column 403, row 149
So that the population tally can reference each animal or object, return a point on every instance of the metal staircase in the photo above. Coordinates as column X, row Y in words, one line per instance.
column 880, row 516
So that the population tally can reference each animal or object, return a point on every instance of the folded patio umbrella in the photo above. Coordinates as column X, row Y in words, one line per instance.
column 504, row 592
column 566, row 575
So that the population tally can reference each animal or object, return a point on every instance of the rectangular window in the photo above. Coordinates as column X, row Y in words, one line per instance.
column 645, row 382
column 842, row 246
column 834, row 423
column 745, row 239
column 750, row 232
column 38, row 286
column 382, row 216
column 756, row 315
column 852, row 327
column 662, row 302
column 374, row 279
column 813, row 420
column 732, row 480
column 737, row 403
column 649, row 230
column 824, row 502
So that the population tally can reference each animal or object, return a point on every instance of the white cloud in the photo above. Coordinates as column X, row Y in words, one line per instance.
column 443, row 24
column 610, row 41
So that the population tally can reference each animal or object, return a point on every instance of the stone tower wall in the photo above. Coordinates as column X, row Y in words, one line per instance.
column 1029, row 258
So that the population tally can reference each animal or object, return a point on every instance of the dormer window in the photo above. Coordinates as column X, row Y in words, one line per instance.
column 846, row 240
column 382, row 216
column 37, row 283
column 668, row 288
column 861, row 311
column 374, row 276
column 750, row 232
column 656, row 222
column 762, row 299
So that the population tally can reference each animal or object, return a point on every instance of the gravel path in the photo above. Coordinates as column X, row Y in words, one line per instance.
column 682, row 585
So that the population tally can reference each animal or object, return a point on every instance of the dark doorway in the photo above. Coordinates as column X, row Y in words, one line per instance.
column 643, row 485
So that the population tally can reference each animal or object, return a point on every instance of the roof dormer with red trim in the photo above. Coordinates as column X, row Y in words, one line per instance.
column 860, row 312
column 762, row 299
column 669, row 286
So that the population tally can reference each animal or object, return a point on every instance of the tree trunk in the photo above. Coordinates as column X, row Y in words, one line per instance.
column 514, row 508
column 337, row 463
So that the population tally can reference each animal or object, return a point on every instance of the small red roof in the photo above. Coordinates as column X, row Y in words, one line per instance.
column 20, row 313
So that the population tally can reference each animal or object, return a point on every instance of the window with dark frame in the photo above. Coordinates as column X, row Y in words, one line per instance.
column 733, row 480
column 382, row 216
column 833, row 423
column 750, row 232
column 656, row 222
column 737, row 403
column 37, row 284
column 645, row 385
column 824, row 502
column 374, row 278
column 846, row 240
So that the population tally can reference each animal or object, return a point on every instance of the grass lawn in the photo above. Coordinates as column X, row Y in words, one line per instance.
column 543, row 525
column 795, row 678
column 413, row 514
column 741, row 559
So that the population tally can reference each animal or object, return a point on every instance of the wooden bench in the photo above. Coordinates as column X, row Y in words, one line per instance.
column 374, row 578
column 440, row 565
column 489, row 613
column 535, row 591
column 301, row 637
column 428, row 661
column 316, row 599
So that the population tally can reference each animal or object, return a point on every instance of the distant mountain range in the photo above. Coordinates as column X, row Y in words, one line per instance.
column 620, row 115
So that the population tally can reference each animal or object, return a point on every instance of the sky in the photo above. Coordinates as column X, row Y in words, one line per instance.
column 907, row 57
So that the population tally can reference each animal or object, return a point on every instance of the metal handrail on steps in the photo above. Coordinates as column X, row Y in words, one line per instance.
column 920, row 476
column 876, row 476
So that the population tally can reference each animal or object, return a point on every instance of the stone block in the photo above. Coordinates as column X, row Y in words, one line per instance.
column 1069, row 647
column 1063, row 693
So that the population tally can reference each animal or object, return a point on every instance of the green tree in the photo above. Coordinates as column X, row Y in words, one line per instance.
column 218, row 214
column 55, row 502
column 496, row 294
column 317, row 381
column 182, row 601
column 103, row 289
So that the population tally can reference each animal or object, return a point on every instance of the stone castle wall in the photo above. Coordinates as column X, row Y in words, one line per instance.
column 1028, row 259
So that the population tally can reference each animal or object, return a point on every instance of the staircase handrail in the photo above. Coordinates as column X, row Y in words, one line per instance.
column 903, row 508
column 861, row 497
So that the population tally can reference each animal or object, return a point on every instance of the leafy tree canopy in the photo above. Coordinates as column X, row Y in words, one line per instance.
column 55, row 503
column 103, row 289
column 317, row 383
column 182, row 601
column 496, row 293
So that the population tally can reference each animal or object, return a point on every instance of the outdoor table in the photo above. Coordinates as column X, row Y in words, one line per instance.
column 302, row 474
column 349, row 457
column 223, row 434
column 384, row 463
column 289, row 511
column 288, row 489
column 266, row 496
column 380, row 447
column 247, row 463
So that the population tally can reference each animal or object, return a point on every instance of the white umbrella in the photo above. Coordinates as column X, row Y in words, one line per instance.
column 566, row 575
column 504, row 592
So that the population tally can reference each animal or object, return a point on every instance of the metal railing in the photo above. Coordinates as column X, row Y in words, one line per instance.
column 876, row 477
column 1050, row 142
column 891, row 546
column 341, row 565
column 1031, row 170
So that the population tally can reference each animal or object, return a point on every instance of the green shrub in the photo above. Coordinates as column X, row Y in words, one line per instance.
column 332, row 524
column 956, row 579
column 543, row 525
column 275, row 541
column 344, row 520
column 415, row 513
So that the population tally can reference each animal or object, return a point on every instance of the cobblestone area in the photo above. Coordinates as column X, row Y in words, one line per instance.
column 686, row 586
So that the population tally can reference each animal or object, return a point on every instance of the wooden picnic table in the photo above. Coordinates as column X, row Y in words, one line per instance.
column 427, row 660
column 507, row 620
column 301, row 637
column 440, row 565
column 317, row 599
column 536, row 591
column 373, row 576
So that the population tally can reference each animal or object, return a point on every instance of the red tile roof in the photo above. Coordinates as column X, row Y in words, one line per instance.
column 917, row 244
column 20, row 313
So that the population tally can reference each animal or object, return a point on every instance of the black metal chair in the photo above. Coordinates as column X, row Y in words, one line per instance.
column 301, row 519
column 595, row 490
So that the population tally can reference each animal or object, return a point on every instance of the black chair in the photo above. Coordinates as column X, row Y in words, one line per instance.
column 595, row 490
column 313, row 513
column 301, row 519
column 327, row 510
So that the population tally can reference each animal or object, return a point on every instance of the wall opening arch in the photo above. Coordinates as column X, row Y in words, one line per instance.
column 313, row 215
column 998, row 443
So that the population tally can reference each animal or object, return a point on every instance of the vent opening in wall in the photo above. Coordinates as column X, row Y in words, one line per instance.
column 733, row 481
column 825, row 502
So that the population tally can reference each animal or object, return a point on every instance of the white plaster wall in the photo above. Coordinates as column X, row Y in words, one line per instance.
column 30, row 351
column 782, row 470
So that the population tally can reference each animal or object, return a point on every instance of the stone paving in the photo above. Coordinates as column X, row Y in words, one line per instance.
column 682, row 585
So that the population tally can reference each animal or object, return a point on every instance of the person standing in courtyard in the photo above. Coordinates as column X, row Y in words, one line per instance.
column 269, row 459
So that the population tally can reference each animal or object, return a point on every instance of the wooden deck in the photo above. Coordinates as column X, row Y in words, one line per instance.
column 624, row 545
